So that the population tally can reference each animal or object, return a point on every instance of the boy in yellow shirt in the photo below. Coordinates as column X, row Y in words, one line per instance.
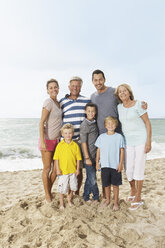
column 67, row 158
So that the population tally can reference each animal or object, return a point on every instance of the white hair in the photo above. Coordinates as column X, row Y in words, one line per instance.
column 76, row 79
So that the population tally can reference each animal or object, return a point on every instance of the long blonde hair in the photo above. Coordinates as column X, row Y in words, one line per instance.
column 129, row 90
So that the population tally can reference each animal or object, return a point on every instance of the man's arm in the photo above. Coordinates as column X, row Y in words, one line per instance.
column 144, row 105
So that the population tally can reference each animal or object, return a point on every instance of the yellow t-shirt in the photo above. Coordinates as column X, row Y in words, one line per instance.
column 67, row 154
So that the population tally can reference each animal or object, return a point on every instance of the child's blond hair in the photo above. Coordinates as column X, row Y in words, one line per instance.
column 67, row 126
column 110, row 118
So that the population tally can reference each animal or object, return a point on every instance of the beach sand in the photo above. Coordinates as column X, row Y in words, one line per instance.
column 27, row 221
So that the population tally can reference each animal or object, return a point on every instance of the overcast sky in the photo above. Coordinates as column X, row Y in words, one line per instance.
column 43, row 39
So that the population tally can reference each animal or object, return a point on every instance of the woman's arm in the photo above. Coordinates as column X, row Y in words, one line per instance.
column 149, row 131
column 44, row 116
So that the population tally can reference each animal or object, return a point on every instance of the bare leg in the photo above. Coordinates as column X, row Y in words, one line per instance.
column 116, row 197
column 61, row 201
column 138, row 192
column 47, row 159
column 80, row 178
column 107, row 195
column 70, row 196
column 52, row 176
column 103, row 193
column 133, row 187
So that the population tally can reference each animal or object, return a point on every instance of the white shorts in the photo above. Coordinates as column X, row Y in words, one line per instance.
column 135, row 162
column 67, row 181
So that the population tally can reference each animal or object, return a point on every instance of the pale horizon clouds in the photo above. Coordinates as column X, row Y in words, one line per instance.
column 45, row 39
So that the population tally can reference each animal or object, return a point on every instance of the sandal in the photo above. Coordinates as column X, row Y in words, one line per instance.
column 130, row 198
column 136, row 204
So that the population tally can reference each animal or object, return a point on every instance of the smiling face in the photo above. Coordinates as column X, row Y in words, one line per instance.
column 75, row 88
column 53, row 89
column 123, row 93
column 98, row 81
column 90, row 113
column 110, row 126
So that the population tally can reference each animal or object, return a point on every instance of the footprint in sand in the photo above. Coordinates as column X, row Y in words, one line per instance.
column 82, row 236
column 159, row 193
column 24, row 222
column 24, row 205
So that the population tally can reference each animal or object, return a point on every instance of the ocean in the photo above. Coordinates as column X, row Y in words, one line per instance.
column 19, row 143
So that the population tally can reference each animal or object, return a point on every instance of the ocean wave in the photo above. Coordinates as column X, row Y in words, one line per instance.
column 157, row 151
column 25, row 158
column 20, row 152
column 20, row 164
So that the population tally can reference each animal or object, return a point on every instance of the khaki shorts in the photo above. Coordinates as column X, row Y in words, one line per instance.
column 67, row 181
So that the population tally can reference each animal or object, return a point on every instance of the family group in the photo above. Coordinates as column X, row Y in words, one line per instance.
column 99, row 134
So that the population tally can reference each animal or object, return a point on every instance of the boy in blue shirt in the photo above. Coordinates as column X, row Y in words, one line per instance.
column 110, row 155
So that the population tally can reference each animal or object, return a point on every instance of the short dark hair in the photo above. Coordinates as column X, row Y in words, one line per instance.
column 92, row 105
column 98, row 72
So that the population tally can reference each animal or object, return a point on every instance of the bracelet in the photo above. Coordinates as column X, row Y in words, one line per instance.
column 87, row 158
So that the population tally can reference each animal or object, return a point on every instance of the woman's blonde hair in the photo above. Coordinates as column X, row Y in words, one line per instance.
column 129, row 90
column 110, row 118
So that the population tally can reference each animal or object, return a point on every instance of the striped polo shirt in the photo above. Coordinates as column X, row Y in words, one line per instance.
column 73, row 112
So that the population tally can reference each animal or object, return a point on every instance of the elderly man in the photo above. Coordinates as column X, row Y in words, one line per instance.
column 73, row 109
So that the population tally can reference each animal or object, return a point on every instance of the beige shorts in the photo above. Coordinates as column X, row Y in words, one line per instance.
column 67, row 181
column 135, row 162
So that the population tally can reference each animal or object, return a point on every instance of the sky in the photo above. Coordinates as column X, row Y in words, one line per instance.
column 43, row 39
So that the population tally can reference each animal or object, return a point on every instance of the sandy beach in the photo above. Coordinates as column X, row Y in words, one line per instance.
column 27, row 221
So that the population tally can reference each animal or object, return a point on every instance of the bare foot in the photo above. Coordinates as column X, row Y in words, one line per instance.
column 69, row 200
column 95, row 202
column 48, row 198
column 105, row 204
column 89, row 202
column 61, row 208
column 70, row 204
column 136, row 205
column 115, row 208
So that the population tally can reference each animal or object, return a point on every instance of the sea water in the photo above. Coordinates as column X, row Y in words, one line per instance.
column 19, row 143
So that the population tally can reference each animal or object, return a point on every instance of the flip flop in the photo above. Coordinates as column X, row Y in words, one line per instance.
column 130, row 198
column 137, row 204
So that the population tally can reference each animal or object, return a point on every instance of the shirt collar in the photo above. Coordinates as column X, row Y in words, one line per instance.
column 63, row 142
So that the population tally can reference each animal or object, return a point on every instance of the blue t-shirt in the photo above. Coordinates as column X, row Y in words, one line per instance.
column 133, row 126
column 110, row 149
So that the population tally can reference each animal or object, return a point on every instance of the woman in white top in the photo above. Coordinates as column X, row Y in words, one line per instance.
column 50, row 124
column 136, row 128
